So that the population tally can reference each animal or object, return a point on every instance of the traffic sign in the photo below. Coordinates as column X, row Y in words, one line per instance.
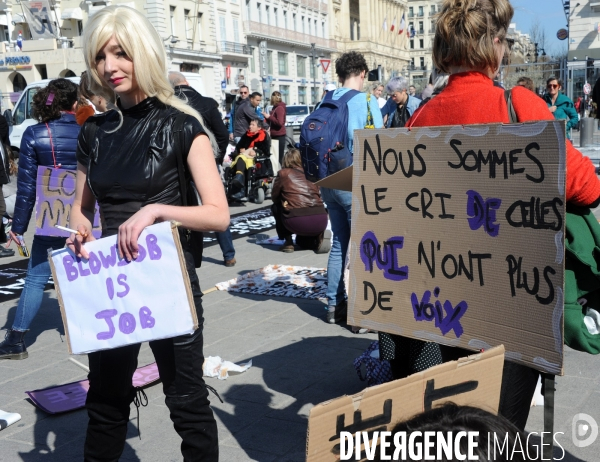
column 325, row 64
column 587, row 88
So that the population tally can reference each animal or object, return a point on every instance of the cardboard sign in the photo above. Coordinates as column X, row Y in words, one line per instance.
column 457, row 237
column 473, row 381
column 54, row 196
column 107, row 303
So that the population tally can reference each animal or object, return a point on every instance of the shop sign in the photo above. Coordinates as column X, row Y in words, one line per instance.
column 15, row 60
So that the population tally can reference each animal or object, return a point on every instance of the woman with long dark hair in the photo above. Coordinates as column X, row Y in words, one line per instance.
column 51, row 142
column 276, row 121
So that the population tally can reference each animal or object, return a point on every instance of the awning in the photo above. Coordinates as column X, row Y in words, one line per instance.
column 72, row 13
column 19, row 18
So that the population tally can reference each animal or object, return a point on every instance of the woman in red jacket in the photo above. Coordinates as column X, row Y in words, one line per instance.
column 469, row 43
column 276, row 121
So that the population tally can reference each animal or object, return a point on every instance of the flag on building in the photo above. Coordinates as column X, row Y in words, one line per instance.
column 393, row 24
column 402, row 25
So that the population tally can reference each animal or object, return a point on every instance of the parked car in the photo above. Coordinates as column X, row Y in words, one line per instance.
column 20, row 117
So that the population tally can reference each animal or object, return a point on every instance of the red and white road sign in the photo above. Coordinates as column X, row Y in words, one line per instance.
column 325, row 64
column 587, row 88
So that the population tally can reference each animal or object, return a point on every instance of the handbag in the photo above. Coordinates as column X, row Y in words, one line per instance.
column 378, row 371
column 189, row 193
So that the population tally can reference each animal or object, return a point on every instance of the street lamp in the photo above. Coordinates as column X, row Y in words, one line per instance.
column 313, row 54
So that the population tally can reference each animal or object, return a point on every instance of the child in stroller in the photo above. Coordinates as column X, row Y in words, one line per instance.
column 251, row 169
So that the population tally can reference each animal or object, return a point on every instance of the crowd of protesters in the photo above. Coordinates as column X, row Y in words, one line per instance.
column 78, row 124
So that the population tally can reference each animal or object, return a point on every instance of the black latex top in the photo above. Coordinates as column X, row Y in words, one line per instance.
column 135, row 165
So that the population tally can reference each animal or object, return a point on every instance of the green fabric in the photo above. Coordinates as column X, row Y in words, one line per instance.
column 582, row 277
column 565, row 110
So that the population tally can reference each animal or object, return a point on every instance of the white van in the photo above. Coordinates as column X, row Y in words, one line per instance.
column 20, row 117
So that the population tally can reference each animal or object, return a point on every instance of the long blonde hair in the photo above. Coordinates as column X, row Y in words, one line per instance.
column 140, row 40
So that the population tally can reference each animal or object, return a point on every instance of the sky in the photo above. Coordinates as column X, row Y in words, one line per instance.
column 551, row 17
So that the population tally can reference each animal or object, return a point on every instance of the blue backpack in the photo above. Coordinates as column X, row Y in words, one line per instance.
column 323, row 138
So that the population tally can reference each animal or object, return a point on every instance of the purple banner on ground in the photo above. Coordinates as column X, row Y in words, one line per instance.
column 55, row 193
column 71, row 396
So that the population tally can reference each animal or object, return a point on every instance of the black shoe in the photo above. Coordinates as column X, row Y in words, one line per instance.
column 339, row 315
column 13, row 346
column 4, row 252
column 238, row 196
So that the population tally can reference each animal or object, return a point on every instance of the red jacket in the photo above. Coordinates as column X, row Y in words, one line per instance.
column 277, row 119
column 472, row 98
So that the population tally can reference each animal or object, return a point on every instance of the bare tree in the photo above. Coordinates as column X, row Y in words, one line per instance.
column 537, row 34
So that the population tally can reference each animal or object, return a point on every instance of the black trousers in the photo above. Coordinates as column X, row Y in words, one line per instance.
column 282, row 143
column 179, row 362
column 518, row 387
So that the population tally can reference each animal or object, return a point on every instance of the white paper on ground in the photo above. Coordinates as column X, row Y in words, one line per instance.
column 8, row 418
column 214, row 366
column 538, row 398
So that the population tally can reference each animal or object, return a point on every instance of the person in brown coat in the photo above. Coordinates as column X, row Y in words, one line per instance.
column 276, row 121
column 298, row 208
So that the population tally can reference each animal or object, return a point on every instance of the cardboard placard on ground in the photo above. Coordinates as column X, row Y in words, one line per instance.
column 54, row 196
column 473, row 381
column 106, row 302
column 457, row 237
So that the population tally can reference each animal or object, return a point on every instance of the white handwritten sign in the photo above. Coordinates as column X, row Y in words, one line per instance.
column 107, row 302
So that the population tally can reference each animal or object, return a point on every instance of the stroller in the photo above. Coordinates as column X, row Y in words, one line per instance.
column 259, row 180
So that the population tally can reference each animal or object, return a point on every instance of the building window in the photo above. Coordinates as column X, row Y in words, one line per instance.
column 412, row 62
column 432, row 9
column 222, row 27
column 252, row 61
column 172, row 18
column 268, row 14
column 315, row 28
column 323, row 29
column 236, row 32
column 285, row 93
column 301, row 66
column 412, row 44
column 285, row 21
column 269, row 62
column 312, row 69
column 421, row 11
column 301, row 95
column 422, row 59
column 79, row 29
column 188, row 24
column 303, row 26
column 248, row 10
column 294, row 21
column 411, row 12
column 282, row 59
column 276, row 14
column 420, row 27
column 259, row 9
column 421, row 43
column 315, row 94
column 199, row 27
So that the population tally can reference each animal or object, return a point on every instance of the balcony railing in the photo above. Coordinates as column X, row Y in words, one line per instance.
column 420, row 14
column 277, row 33
column 411, row 15
column 420, row 31
column 234, row 47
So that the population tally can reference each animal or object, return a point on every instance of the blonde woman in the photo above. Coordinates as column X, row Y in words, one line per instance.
column 127, row 162
column 276, row 121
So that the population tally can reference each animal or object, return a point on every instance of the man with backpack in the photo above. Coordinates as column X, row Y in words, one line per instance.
column 355, row 110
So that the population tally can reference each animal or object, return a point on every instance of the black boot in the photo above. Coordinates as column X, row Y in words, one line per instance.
column 13, row 346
